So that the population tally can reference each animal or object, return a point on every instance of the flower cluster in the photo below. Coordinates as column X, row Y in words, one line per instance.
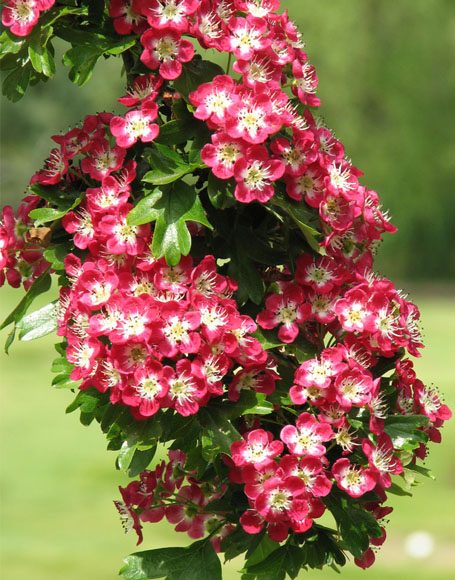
column 20, row 16
column 173, row 492
column 21, row 245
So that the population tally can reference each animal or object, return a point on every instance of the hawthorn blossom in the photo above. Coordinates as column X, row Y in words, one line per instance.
column 165, row 50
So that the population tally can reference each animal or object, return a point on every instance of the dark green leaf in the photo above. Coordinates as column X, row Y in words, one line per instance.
column 38, row 323
column 251, row 403
column 285, row 560
column 16, row 83
column 197, row 562
column 220, row 192
column 356, row 525
column 302, row 216
column 267, row 338
column 194, row 74
column 262, row 551
column 218, row 433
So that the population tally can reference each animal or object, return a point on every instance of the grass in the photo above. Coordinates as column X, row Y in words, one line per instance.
column 58, row 481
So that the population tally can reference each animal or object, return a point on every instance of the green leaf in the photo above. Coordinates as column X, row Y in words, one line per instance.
column 87, row 49
column 145, row 212
column 175, row 132
column 218, row 433
column 171, row 237
column 262, row 551
column 243, row 270
column 167, row 166
column 39, row 286
column 356, row 525
column 42, row 215
column 133, row 460
column 56, row 255
column 302, row 216
column 220, row 192
column 197, row 562
column 404, row 431
column 16, row 83
column 267, row 338
column 251, row 403
column 38, row 323
column 195, row 73
column 40, row 57
column 10, row 44
column 395, row 489
column 238, row 542
column 286, row 559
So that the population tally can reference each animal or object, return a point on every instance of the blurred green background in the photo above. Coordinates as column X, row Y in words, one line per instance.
column 387, row 79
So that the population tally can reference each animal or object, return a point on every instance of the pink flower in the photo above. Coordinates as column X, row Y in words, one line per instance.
column 136, row 125
column 126, row 18
column 165, row 50
column 20, row 16
column 121, row 237
column 257, row 448
column 255, row 173
column 251, row 118
column 143, row 89
column 148, row 389
column 322, row 274
column 167, row 14
column 102, row 160
column 55, row 167
column 248, row 35
column 80, row 224
column 381, row 459
column 213, row 100
column 186, row 393
column 353, row 310
column 353, row 479
column 305, row 82
column 222, row 154
column 353, row 387
column 186, row 514
column 307, row 437
column 286, row 310
column 310, row 470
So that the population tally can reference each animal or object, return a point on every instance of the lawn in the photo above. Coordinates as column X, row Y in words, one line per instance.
column 58, row 482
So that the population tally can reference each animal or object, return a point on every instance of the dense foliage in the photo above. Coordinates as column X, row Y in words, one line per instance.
column 214, row 250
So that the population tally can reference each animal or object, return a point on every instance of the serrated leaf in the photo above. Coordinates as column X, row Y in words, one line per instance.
column 10, row 44
column 167, row 165
column 404, row 430
column 38, row 323
column 171, row 237
column 356, row 525
column 145, row 212
column 42, row 215
column 262, row 551
column 16, row 83
column 197, row 562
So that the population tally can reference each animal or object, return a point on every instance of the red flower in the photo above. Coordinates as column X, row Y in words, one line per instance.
column 165, row 50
